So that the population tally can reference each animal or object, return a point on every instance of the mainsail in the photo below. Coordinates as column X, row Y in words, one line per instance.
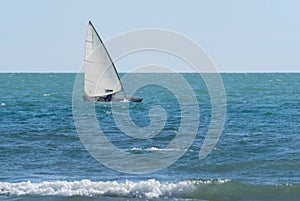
column 101, row 77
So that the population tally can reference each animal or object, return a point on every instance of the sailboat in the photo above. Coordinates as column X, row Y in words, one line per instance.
column 101, row 80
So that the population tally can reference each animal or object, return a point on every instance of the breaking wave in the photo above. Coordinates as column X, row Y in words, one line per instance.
column 148, row 188
column 190, row 189
column 152, row 149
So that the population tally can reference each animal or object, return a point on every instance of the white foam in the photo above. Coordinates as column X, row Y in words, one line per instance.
column 46, row 94
column 153, row 149
column 2, row 104
column 108, row 112
column 142, row 189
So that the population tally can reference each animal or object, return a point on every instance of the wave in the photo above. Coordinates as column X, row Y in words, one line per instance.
column 148, row 188
column 152, row 149
column 219, row 189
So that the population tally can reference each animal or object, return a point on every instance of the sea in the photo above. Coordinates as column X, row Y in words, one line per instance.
column 254, row 153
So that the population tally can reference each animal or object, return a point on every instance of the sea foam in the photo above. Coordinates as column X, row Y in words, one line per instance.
column 142, row 189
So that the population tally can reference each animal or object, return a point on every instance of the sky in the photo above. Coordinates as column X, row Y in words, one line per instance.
column 240, row 36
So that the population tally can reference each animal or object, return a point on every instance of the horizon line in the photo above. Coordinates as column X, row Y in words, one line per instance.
column 156, row 72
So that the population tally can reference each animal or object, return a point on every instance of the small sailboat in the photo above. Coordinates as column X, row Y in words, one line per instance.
column 101, row 80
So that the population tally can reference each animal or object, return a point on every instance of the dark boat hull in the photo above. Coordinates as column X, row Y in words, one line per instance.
column 105, row 99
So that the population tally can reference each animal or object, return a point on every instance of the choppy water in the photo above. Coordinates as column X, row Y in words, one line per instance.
column 257, row 156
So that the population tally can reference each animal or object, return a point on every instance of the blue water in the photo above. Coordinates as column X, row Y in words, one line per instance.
column 256, row 158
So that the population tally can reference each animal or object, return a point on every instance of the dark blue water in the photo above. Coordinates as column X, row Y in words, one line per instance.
column 256, row 158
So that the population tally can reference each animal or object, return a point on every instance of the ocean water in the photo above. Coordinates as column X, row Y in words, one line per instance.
column 257, row 157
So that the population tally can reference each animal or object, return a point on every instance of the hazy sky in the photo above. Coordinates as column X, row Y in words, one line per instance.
column 248, row 35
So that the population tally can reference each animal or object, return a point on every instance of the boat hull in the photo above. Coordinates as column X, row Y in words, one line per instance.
column 106, row 99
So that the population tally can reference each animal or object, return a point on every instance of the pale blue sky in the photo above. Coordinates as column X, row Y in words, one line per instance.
column 252, row 35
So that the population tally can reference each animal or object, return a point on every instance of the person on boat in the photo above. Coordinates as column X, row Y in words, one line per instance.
column 109, row 96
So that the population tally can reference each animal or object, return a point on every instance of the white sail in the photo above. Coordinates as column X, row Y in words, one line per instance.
column 101, row 77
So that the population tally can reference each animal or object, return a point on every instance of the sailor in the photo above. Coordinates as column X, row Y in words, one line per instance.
column 108, row 98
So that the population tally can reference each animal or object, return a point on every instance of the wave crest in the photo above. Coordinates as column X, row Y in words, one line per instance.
column 219, row 189
column 149, row 188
